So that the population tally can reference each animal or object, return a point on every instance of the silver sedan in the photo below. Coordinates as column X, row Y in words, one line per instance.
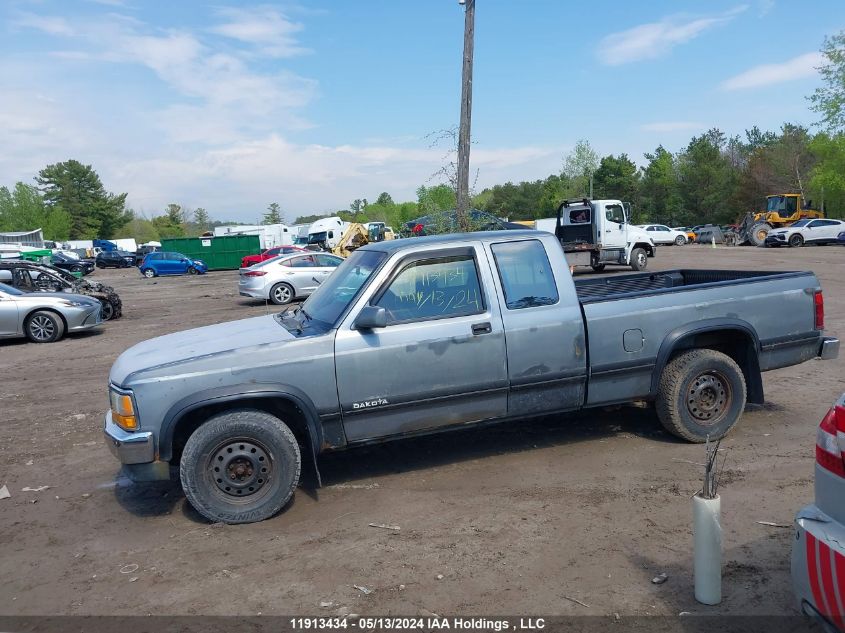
column 44, row 317
column 287, row 277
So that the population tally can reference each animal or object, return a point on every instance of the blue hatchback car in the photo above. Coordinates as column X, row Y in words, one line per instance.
column 168, row 263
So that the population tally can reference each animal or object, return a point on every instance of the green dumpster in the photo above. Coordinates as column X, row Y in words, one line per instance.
column 36, row 255
column 219, row 253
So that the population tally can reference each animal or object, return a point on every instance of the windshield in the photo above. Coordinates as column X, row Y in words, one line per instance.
column 782, row 205
column 316, row 238
column 333, row 296
column 10, row 291
column 801, row 223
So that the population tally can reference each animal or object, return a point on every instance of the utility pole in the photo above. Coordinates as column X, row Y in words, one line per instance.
column 466, row 116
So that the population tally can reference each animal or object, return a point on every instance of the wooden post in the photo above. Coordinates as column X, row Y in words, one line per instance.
column 466, row 118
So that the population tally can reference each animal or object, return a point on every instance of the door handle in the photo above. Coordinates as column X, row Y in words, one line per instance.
column 481, row 328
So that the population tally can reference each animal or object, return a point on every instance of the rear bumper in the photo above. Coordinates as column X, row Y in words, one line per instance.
column 829, row 349
column 818, row 561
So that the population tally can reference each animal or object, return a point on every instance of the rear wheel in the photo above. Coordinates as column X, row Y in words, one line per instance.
column 796, row 240
column 680, row 240
column 701, row 394
column 281, row 294
column 639, row 259
column 44, row 327
column 240, row 466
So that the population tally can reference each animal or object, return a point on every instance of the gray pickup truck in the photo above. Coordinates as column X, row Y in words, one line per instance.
column 422, row 335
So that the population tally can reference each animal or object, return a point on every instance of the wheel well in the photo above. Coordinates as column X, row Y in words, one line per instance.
column 283, row 408
column 648, row 248
column 56, row 312
column 736, row 344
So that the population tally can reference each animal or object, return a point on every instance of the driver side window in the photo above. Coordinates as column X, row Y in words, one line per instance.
column 432, row 289
column 615, row 213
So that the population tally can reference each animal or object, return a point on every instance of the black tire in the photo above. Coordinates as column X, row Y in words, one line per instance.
column 758, row 232
column 76, row 269
column 238, row 444
column 795, row 240
column 107, row 310
column 599, row 267
column 281, row 294
column 680, row 240
column 702, row 393
column 639, row 259
column 44, row 326
column 192, row 271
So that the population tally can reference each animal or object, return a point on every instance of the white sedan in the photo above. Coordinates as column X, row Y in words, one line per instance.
column 287, row 277
column 662, row 234
column 806, row 231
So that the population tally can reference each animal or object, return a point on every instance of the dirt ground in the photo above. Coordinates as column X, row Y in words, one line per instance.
column 522, row 519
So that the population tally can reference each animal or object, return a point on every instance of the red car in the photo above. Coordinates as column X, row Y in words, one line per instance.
column 249, row 260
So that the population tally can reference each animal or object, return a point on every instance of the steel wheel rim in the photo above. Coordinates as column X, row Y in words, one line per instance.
column 240, row 469
column 282, row 294
column 709, row 398
column 641, row 258
column 42, row 328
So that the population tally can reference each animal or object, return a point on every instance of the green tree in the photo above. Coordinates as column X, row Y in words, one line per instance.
column 579, row 166
column 24, row 209
column 273, row 215
column 77, row 189
column 617, row 178
column 141, row 229
column 660, row 199
column 827, row 181
column 171, row 224
column 829, row 99
column 384, row 199
column 436, row 198
column 707, row 180
column 307, row 219
column 201, row 219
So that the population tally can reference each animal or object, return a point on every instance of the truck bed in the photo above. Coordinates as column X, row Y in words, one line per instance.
column 640, row 284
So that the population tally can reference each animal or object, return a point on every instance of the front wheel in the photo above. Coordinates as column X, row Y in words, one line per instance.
column 240, row 466
column 76, row 269
column 598, row 267
column 701, row 394
column 680, row 240
column 796, row 240
column 44, row 327
column 639, row 259
column 192, row 271
column 149, row 273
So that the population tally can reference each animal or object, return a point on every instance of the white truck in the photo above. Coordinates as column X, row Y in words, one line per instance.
column 269, row 235
column 598, row 232
column 326, row 232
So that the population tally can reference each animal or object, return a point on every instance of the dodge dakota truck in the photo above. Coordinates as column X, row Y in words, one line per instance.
column 427, row 334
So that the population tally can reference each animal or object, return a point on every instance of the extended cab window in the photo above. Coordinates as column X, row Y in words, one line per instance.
column 526, row 274
column 433, row 288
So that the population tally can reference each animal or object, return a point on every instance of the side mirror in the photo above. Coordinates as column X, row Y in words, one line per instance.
column 371, row 317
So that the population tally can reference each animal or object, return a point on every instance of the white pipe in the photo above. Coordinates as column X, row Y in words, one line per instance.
column 707, row 544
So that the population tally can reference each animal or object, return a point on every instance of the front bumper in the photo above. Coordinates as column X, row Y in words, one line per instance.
column 829, row 348
column 84, row 319
column 817, row 554
column 774, row 241
column 129, row 448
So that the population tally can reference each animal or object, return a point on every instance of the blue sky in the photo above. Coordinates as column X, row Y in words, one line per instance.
column 231, row 106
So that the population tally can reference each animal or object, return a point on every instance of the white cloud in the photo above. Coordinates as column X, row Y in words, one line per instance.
column 655, row 39
column 799, row 67
column 265, row 28
column 671, row 126
column 52, row 25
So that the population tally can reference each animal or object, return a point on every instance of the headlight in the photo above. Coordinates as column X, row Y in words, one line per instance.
column 74, row 304
column 123, row 410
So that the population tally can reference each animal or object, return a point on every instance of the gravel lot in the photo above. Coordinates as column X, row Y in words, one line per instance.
column 516, row 519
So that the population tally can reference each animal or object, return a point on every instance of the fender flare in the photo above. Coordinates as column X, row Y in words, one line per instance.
column 675, row 337
column 234, row 393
